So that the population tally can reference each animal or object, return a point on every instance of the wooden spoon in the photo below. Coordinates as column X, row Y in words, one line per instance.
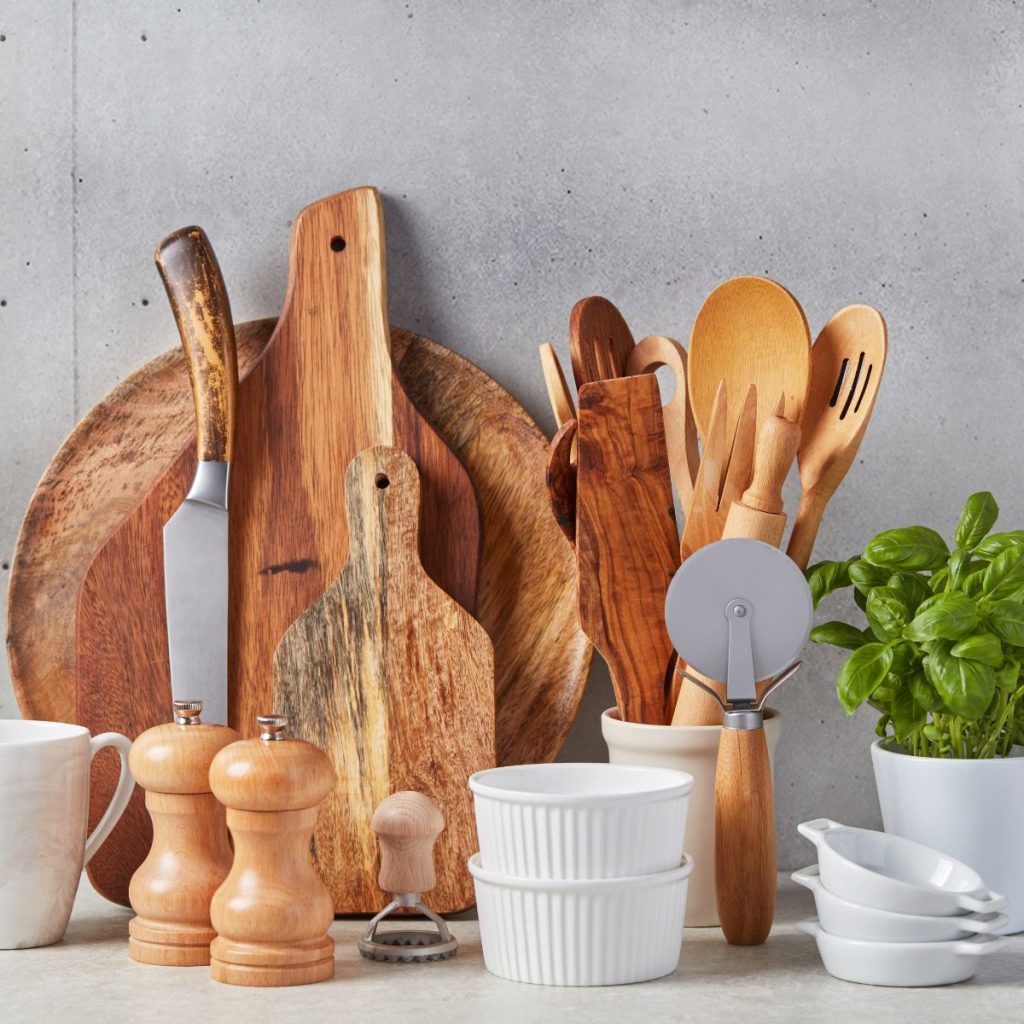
column 561, row 479
column 651, row 353
column 749, row 331
column 846, row 370
column 599, row 341
column 562, row 404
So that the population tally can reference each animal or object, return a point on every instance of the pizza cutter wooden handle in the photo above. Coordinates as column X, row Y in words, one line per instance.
column 758, row 514
column 744, row 834
column 407, row 824
column 199, row 299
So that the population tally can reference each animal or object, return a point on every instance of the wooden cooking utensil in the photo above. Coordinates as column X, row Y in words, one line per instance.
column 599, row 341
column 562, row 404
column 394, row 680
column 758, row 514
column 541, row 664
column 561, row 479
column 626, row 539
column 323, row 392
column 749, row 331
column 651, row 353
column 702, row 522
column 846, row 370
column 741, row 457
column 141, row 439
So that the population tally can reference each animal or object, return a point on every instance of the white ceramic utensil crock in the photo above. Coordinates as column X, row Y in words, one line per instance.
column 44, row 809
column 692, row 749
column 901, row 964
column 854, row 921
column 876, row 869
column 961, row 807
column 613, row 931
column 580, row 820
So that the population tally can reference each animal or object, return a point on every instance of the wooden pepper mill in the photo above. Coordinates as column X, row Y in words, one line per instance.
column 407, row 825
column 191, row 853
column 273, row 912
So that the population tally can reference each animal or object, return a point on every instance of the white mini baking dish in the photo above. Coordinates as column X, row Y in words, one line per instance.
column 578, row 932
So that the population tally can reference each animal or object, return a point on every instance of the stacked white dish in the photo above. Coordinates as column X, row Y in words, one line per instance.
column 894, row 912
column 581, row 877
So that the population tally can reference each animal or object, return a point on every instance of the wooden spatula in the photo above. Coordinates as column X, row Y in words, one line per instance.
column 599, row 341
column 395, row 681
column 702, row 524
column 749, row 331
column 626, row 538
column 846, row 370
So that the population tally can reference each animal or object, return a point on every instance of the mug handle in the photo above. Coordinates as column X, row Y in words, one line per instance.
column 122, row 794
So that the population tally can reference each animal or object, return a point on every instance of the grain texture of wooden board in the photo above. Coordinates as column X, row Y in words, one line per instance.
column 394, row 680
column 627, row 543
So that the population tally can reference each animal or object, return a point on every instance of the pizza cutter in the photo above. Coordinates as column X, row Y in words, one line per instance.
column 740, row 610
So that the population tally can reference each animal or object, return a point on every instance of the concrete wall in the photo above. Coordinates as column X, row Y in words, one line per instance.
column 530, row 154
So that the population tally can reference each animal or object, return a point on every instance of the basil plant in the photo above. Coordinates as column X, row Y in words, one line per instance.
column 943, row 650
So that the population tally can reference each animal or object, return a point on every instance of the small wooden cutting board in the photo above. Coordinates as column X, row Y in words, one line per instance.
column 395, row 681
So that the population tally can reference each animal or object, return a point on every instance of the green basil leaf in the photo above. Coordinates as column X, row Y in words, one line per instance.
column 959, row 564
column 839, row 634
column 912, row 588
column 948, row 617
column 923, row 691
column 998, row 543
column 978, row 517
column 937, row 583
column 1004, row 577
column 1008, row 676
column 983, row 647
column 974, row 582
column 966, row 687
column 907, row 714
column 862, row 674
column 904, row 659
column 1006, row 620
column 910, row 547
column 860, row 599
column 865, row 576
column 824, row 577
column 886, row 612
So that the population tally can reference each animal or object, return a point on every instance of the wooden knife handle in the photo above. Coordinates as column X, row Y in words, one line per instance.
column 776, row 448
column 199, row 299
column 744, row 837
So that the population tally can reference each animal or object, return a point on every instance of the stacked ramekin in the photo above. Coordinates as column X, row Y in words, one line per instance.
column 581, row 877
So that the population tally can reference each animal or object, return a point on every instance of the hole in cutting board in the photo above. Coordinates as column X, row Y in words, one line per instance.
column 337, row 243
column 382, row 481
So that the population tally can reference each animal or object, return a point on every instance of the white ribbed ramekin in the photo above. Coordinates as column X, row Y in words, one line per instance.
column 556, row 932
column 580, row 821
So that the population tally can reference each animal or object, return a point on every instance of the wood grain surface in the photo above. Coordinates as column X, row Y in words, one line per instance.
column 141, row 438
column 627, row 542
column 561, row 479
column 600, row 341
column 394, row 680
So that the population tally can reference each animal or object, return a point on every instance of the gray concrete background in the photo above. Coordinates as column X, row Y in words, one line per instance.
column 530, row 154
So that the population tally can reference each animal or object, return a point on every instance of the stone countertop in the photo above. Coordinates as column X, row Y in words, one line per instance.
column 89, row 977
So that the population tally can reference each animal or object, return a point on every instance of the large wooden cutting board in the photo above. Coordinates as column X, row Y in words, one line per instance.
column 141, row 439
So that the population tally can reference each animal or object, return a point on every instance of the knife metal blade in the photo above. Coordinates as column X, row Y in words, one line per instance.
column 196, row 536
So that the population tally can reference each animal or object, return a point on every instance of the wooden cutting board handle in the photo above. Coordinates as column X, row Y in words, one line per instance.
column 395, row 681
column 744, row 836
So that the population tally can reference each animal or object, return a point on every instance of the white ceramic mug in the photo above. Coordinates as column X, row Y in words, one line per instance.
column 44, row 813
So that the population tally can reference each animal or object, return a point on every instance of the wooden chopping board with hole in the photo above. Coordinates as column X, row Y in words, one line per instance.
column 395, row 681
column 138, row 444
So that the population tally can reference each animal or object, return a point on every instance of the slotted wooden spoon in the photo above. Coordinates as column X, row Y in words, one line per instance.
column 600, row 341
column 846, row 370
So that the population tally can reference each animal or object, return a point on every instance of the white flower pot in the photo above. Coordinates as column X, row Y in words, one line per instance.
column 692, row 749
column 972, row 810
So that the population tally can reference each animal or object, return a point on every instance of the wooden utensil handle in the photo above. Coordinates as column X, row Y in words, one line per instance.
column 744, row 836
column 407, row 824
column 776, row 448
column 805, row 529
column 560, row 477
column 199, row 299
column 695, row 706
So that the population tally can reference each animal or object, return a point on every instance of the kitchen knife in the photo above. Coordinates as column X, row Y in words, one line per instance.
column 196, row 536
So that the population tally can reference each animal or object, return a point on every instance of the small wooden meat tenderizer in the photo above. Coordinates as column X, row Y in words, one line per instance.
column 273, row 912
column 191, row 854
column 407, row 824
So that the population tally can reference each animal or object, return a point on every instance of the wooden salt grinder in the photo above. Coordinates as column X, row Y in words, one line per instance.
column 407, row 825
column 190, row 855
column 273, row 912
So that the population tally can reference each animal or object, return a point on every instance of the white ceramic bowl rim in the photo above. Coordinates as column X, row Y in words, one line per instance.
column 571, row 886
column 887, row 746
column 810, row 878
column 957, row 946
column 18, row 732
column 512, row 784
